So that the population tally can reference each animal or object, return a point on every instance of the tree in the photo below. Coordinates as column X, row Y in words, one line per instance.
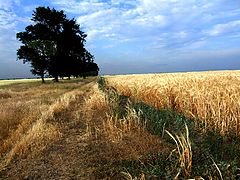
column 39, row 46
column 54, row 45
column 89, row 67
column 35, row 51
column 71, row 47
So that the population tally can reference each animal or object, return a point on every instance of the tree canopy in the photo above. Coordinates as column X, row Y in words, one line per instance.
column 55, row 45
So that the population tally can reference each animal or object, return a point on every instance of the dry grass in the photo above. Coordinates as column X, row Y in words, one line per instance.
column 29, row 115
column 97, row 103
column 115, row 128
column 128, row 176
column 212, row 98
column 9, row 82
column 184, row 151
column 99, row 106
column 117, row 138
column 96, row 106
column 32, row 142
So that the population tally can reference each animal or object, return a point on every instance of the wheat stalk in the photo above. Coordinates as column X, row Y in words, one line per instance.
column 184, row 152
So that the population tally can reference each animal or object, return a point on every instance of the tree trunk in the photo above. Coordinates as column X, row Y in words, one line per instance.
column 43, row 81
column 42, row 77
column 69, row 78
column 56, row 79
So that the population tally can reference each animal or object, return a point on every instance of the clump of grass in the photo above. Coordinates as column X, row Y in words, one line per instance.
column 116, row 128
column 59, row 109
column 97, row 102
column 39, row 134
column 106, row 106
column 128, row 176
column 184, row 151
column 112, row 128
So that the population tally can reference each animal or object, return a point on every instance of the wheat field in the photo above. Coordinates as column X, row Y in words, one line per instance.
column 211, row 99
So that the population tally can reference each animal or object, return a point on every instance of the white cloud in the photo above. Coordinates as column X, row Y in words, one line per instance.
column 7, row 19
column 136, row 18
column 182, row 34
column 115, row 20
column 220, row 29
column 8, row 4
column 5, row 4
column 179, row 23
column 8, row 29
column 80, row 7
column 95, row 23
column 198, row 44
column 146, row 20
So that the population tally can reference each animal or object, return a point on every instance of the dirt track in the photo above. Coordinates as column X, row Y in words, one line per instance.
column 64, row 159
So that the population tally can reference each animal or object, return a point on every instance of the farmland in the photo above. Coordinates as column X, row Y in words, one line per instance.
column 164, row 126
column 206, row 102
column 212, row 98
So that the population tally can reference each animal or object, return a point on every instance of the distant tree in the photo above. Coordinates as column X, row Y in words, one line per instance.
column 89, row 67
column 54, row 45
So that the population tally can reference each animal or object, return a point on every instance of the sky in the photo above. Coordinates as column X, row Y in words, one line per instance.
column 136, row 36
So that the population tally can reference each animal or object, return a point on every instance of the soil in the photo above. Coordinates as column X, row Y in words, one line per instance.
column 64, row 159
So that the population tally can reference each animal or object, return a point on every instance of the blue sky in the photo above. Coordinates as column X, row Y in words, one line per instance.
column 137, row 36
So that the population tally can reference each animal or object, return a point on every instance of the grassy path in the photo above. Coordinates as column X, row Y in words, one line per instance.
column 64, row 158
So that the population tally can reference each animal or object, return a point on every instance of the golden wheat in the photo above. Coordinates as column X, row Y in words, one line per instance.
column 212, row 98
